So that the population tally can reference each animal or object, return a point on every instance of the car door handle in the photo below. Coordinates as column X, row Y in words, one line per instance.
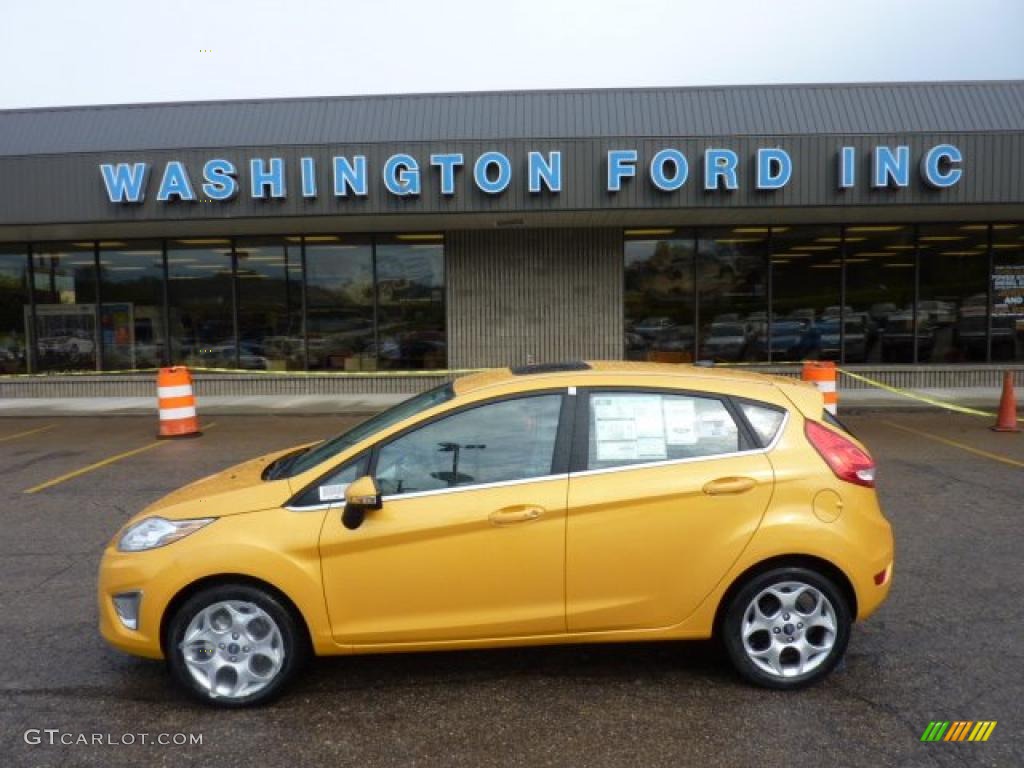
column 512, row 515
column 724, row 485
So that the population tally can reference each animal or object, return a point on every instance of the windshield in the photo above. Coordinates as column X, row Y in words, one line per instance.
column 297, row 463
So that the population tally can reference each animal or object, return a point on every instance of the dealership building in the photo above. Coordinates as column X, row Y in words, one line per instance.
column 879, row 225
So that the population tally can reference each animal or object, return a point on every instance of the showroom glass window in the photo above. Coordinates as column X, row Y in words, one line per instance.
column 65, row 296
column 200, row 296
column 880, row 284
column 410, row 302
column 806, row 281
column 1008, row 292
column 132, row 312
column 269, row 274
column 732, row 280
column 14, row 309
column 339, row 300
column 952, row 298
column 659, row 295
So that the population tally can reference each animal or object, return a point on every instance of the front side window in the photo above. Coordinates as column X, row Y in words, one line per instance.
column 496, row 442
column 302, row 461
column 640, row 427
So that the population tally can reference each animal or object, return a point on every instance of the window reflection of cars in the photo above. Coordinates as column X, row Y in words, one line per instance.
column 726, row 341
column 970, row 333
column 656, row 327
column 897, row 339
column 790, row 340
column 855, row 339
column 250, row 357
column 937, row 312
column 880, row 313
column 73, row 345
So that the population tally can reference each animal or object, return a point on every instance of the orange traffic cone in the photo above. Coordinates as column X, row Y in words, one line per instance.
column 177, row 403
column 1007, row 419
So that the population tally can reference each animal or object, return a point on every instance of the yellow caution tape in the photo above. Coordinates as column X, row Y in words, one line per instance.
column 914, row 396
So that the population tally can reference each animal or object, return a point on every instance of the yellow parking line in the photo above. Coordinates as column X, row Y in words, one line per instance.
column 102, row 463
column 961, row 446
column 26, row 434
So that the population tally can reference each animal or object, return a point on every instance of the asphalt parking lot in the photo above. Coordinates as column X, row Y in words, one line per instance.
column 949, row 644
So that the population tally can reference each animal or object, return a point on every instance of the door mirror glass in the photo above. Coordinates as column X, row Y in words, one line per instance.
column 361, row 496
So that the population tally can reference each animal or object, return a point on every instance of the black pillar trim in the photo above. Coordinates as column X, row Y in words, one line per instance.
column 842, row 297
column 917, row 294
column 771, row 294
column 305, row 305
column 234, row 303
column 30, row 331
column 989, row 295
column 376, row 301
column 696, row 294
column 97, row 308
column 166, row 356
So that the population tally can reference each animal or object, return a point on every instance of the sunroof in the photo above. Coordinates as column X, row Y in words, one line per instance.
column 570, row 365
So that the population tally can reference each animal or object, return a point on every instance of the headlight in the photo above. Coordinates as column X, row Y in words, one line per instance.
column 158, row 532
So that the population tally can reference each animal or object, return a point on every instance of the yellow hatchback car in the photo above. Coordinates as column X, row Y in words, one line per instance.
column 568, row 503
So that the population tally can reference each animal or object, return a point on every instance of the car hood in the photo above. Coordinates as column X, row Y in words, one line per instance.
column 231, row 491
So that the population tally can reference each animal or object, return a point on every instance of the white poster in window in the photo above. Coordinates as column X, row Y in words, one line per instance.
column 624, row 450
column 714, row 424
column 612, row 407
column 610, row 430
column 648, row 418
column 651, row 448
column 680, row 422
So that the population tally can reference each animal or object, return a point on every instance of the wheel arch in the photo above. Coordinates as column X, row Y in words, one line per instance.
column 225, row 579
column 812, row 562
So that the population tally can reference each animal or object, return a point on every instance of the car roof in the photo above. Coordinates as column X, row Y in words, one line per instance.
column 626, row 372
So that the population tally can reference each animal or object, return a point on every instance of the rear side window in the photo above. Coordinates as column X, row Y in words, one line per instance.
column 640, row 427
column 764, row 420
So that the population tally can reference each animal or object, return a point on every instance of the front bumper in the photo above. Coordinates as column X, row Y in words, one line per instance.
column 148, row 573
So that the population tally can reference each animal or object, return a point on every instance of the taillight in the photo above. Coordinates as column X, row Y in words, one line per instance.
column 844, row 457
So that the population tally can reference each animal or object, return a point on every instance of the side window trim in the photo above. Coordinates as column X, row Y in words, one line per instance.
column 581, row 442
column 560, row 456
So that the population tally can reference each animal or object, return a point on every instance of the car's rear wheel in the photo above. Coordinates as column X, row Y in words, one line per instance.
column 786, row 628
column 234, row 645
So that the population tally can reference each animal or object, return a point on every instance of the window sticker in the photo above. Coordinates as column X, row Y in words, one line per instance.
column 680, row 422
column 624, row 450
column 629, row 427
column 651, row 448
column 714, row 424
column 612, row 430
column 335, row 492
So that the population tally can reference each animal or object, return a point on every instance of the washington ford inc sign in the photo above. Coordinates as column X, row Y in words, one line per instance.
column 404, row 175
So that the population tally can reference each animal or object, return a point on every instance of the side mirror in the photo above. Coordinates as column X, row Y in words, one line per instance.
column 361, row 496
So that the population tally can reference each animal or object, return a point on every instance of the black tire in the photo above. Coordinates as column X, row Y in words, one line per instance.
column 294, row 643
column 732, row 625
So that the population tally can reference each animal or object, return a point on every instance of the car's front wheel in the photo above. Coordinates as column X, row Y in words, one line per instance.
column 786, row 628
column 234, row 645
